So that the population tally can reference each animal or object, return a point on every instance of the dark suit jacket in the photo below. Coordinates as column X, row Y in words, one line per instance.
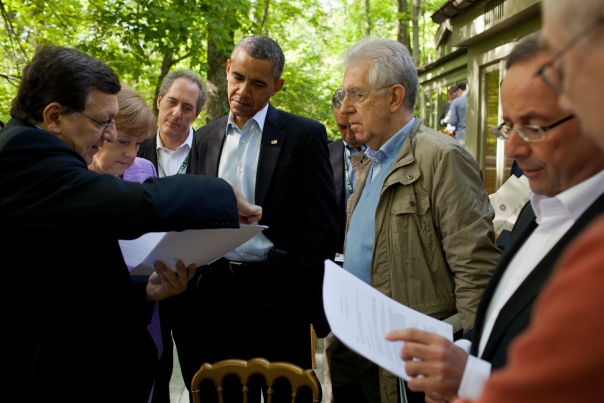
column 336, row 157
column 148, row 151
column 294, row 186
column 514, row 317
column 71, row 315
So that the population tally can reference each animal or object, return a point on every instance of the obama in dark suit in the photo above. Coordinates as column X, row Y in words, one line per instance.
column 257, row 301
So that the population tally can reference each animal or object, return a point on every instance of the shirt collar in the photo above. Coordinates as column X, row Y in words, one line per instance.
column 389, row 146
column 352, row 149
column 188, row 140
column 575, row 200
column 259, row 117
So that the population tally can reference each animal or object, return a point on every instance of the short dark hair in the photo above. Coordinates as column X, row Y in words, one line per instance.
column 453, row 90
column 263, row 48
column 191, row 76
column 461, row 86
column 525, row 51
column 336, row 102
column 63, row 75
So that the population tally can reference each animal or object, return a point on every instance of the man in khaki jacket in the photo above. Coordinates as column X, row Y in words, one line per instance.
column 420, row 223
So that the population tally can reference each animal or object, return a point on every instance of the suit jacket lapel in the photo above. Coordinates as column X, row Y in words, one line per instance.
column 270, row 148
column 148, row 151
column 532, row 285
column 524, row 227
column 337, row 162
column 215, row 142
column 193, row 157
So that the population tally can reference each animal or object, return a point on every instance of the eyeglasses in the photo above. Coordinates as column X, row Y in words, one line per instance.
column 106, row 125
column 551, row 76
column 528, row 133
column 356, row 97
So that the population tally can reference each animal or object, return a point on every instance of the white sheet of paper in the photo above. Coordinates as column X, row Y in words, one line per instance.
column 360, row 316
column 192, row 246
column 507, row 202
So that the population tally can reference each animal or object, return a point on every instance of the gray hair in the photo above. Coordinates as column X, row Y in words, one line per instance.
column 189, row 75
column 526, row 51
column 336, row 99
column 390, row 63
column 263, row 48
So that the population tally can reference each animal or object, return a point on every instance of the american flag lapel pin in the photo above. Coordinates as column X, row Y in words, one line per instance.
column 273, row 141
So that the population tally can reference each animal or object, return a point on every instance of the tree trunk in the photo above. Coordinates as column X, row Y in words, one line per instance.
column 166, row 64
column 415, row 20
column 367, row 19
column 402, row 24
column 264, row 17
column 217, row 104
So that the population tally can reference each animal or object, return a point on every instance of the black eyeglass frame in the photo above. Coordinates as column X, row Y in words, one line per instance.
column 106, row 125
column 542, row 129
column 353, row 99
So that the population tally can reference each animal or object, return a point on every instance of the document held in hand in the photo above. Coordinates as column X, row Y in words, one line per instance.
column 201, row 246
column 508, row 201
column 360, row 316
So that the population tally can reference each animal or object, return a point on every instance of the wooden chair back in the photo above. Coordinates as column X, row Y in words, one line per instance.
column 245, row 369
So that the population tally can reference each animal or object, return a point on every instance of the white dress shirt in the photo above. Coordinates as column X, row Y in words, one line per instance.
column 169, row 161
column 555, row 216
column 239, row 164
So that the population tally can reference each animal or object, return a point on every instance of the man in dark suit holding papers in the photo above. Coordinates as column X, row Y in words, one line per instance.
column 74, row 322
column 564, row 170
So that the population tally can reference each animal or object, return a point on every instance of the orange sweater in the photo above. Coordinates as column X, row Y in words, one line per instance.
column 560, row 357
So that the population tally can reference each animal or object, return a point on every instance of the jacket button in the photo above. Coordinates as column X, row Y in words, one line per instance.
column 412, row 203
column 409, row 176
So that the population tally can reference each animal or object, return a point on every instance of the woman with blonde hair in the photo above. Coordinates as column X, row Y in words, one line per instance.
column 134, row 123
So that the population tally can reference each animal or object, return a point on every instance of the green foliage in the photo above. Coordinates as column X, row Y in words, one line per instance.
column 139, row 38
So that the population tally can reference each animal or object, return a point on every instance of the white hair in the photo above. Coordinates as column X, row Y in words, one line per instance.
column 390, row 63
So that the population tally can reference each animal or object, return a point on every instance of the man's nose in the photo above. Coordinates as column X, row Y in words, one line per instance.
column 516, row 147
column 110, row 134
column 347, row 108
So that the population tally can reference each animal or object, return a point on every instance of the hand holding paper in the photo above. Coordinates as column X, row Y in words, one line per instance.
column 440, row 363
column 163, row 283
column 192, row 246
column 360, row 317
column 248, row 213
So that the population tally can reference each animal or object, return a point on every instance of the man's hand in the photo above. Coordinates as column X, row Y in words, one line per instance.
column 441, row 363
column 164, row 283
column 248, row 213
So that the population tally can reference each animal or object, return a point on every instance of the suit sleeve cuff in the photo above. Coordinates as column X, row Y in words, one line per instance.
column 475, row 376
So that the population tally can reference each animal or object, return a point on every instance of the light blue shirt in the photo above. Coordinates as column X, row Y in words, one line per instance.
column 390, row 146
column 361, row 229
column 239, row 164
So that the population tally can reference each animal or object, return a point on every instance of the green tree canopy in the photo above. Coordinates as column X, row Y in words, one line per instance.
column 144, row 39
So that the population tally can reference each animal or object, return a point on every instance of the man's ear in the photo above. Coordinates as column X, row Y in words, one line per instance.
column 278, row 85
column 51, row 116
column 397, row 97
column 158, row 100
column 228, row 67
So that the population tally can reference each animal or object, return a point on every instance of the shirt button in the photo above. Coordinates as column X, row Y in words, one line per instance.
column 242, row 141
column 241, row 254
column 240, row 169
column 379, row 165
